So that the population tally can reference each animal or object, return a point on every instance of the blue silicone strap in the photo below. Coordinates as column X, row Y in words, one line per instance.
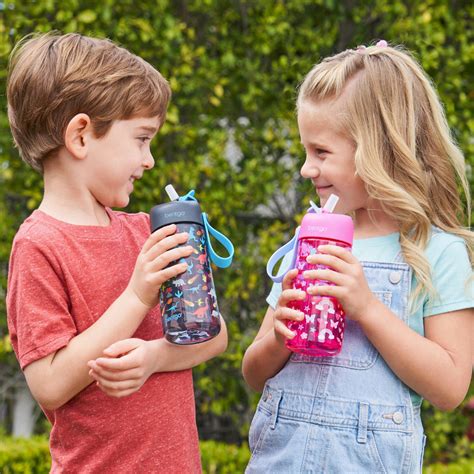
column 279, row 254
column 221, row 262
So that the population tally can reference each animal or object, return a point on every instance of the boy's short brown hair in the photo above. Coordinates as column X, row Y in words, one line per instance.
column 54, row 77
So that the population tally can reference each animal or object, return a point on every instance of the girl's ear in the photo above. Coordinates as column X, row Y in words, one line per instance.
column 76, row 137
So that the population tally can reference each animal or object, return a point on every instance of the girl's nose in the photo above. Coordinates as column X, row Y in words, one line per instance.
column 309, row 170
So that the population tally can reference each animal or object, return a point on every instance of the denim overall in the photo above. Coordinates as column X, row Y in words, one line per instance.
column 344, row 414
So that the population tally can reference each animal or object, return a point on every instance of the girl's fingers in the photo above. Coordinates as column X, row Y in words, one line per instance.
column 158, row 235
column 325, row 275
column 281, row 328
column 289, row 278
column 325, row 290
column 330, row 261
column 289, row 314
column 339, row 252
column 291, row 295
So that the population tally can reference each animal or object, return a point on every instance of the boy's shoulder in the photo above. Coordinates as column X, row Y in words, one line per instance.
column 40, row 229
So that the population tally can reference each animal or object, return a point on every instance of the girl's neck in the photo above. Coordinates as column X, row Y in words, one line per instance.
column 373, row 224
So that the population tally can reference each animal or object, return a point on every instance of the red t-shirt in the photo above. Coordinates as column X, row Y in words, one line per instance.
column 62, row 278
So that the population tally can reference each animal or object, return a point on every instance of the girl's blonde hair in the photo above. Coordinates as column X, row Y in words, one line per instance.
column 54, row 77
column 405, row 153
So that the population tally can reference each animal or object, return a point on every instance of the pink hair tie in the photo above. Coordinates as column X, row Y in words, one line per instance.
column 382, row 44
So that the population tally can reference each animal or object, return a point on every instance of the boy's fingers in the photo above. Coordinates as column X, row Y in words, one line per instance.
column 158, row 235
column 164, row 259
column 98, row 372
column 122, row 347
column 167, row 243
column 118, row 386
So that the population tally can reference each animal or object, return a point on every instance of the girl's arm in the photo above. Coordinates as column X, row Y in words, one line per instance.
column 267, row 354
column 437, row 366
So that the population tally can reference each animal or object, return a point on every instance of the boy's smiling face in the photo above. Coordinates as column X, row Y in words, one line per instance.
column 116, row 160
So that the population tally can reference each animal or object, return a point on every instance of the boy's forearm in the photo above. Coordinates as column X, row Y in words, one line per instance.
column 420, row 363
column 56, row 379
column 173, row 357
column 263, row 359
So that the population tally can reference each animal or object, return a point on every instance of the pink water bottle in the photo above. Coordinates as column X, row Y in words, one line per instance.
column 321, row 332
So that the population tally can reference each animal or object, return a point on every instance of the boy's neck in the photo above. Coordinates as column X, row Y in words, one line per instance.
column 64, row 200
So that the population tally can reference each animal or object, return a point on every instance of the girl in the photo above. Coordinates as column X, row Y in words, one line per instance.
column 375, row 135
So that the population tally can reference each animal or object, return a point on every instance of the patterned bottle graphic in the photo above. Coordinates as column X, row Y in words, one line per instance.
column 321, row 332
column 188, row 302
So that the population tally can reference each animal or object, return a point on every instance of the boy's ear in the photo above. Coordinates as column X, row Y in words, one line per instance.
column 76, row 137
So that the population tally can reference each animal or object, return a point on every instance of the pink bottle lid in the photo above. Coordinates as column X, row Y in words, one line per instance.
column 326, row 225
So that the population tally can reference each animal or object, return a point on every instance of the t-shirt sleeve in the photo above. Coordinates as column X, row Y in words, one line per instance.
column 275, row 292
column 452, row 279
column 39, row 320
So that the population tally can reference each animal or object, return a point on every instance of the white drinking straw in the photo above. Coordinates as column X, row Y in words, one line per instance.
column 331, row 203
column 171, row 192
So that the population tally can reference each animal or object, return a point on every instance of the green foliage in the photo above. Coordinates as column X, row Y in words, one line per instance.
column 31, row 456
column 234, row 68
column 25, row 456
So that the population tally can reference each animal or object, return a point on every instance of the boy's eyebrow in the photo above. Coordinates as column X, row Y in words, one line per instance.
column 146, row 128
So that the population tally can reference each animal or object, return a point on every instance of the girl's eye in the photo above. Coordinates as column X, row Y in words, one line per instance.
column 320, row 151
column 144, row 139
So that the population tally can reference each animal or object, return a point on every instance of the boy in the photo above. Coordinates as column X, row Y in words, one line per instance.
column 84, row 279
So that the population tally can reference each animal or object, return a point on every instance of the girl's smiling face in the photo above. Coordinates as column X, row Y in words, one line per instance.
column 329, row 157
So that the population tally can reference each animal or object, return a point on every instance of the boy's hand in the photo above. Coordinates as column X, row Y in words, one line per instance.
column 282, row 312
column 350, row 285
column 151, row 267
column 125, row 368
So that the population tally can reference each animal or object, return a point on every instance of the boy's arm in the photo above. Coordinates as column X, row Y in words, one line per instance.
column 56, row 378
column 129, row 363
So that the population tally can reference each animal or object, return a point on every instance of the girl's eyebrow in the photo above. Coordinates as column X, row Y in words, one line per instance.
column 316, row 144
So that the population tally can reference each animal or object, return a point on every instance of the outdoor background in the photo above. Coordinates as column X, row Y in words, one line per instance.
column 231, row 135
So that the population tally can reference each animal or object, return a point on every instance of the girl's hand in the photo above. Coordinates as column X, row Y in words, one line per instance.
column 151, row 269
column 282, row 312
column 125, row 368
column 350, row 286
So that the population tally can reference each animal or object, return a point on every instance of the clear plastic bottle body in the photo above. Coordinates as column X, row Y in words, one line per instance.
column 322, row 331
column 188, row 302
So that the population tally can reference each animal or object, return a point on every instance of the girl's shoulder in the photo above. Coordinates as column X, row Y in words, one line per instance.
column 444, row 244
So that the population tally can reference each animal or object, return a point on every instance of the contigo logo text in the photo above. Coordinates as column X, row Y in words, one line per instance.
column 174, row 214
column 317, row 228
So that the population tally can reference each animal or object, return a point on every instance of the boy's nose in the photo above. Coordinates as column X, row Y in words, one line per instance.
column 149, row 161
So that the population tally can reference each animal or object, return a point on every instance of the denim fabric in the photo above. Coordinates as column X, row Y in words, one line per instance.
column 344, row 414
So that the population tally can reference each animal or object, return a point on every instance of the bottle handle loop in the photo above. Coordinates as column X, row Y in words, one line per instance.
column 279, row 254
column 221, row 262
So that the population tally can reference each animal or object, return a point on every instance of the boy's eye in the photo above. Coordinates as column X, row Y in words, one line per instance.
column 144, row 139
